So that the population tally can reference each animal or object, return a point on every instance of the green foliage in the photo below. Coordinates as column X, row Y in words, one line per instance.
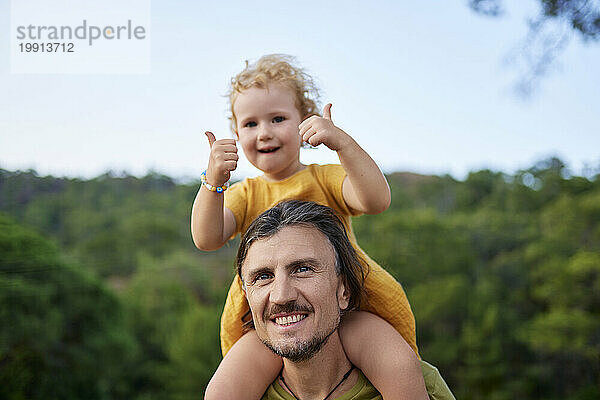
column 502, row 272
column 194, row 353
column 582, row 17
column 63, row 334
column 168, row 301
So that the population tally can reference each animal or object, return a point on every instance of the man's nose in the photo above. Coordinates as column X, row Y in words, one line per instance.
column 282, row 290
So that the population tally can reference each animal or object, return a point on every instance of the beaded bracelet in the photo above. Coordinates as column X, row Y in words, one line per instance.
column 218, row 189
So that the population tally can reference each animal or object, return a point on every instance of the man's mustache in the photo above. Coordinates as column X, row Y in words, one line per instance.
column 287, row 308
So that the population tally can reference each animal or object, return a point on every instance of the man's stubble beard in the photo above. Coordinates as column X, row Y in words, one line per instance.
column 302, row 351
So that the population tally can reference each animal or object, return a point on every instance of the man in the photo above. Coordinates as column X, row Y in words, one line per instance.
column 301, row 274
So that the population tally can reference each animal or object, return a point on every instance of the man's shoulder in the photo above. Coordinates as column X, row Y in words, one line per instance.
column 362, row 390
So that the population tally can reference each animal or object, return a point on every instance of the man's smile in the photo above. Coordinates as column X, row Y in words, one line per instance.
column 289, row 320
column 285, row 315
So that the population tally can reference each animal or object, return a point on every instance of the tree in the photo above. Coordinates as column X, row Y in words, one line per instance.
column 62, row 333
column 549, row 33
column 502, row 273
column 194, row 353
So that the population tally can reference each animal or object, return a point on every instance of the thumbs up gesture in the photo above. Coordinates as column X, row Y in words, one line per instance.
column 316, row 130
column 222, row 161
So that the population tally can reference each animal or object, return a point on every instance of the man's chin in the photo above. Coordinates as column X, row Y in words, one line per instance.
column 300, row 350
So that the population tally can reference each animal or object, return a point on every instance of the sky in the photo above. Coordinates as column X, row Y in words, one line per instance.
column 421, row 86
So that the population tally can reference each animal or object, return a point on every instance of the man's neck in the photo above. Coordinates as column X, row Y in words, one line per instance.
column 315, row 378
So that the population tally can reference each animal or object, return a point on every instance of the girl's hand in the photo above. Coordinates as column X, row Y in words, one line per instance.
column 316, row 130
column 222, row 161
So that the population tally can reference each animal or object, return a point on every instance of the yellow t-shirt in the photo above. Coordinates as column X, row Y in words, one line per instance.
column 321, row 184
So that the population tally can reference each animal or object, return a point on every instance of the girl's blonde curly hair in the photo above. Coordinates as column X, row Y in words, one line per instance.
column 276, row 68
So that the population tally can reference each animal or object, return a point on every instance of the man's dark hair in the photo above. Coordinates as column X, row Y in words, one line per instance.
column 349, row 265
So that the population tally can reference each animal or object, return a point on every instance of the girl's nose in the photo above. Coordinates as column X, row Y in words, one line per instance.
column 265, row 133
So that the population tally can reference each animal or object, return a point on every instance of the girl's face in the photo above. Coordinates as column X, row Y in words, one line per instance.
column 267, row 128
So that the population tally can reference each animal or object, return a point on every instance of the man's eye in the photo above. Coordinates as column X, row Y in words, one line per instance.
column 250, row 124
column 303, row 268
column 262, row 277
column 278, row 119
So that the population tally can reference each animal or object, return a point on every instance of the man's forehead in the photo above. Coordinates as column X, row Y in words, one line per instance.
column 291, row 243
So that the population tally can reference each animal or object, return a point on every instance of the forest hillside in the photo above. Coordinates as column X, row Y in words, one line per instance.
column 104, row 296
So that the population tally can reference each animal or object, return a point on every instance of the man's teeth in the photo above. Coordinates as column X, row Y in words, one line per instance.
column 289, row 320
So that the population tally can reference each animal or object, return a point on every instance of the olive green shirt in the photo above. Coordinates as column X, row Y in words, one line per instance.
column 364, row 390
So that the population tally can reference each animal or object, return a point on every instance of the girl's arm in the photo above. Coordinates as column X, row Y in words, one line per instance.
column 383, row 356
column 246, row 371
column 213, row 224
column 365, row 188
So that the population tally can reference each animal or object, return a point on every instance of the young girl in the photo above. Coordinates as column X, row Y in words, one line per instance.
column 272, row 113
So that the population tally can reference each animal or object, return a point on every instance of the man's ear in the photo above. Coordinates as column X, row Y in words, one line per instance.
column 343, row 295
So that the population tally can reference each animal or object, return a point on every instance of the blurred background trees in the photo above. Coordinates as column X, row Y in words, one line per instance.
column 550, row 32
column 103, row 295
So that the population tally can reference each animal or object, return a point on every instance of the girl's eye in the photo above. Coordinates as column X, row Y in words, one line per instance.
column 278, row 119
column 250, row 124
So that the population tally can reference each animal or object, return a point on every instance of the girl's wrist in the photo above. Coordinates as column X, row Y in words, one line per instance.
column 213, row 188
column 209, row 176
